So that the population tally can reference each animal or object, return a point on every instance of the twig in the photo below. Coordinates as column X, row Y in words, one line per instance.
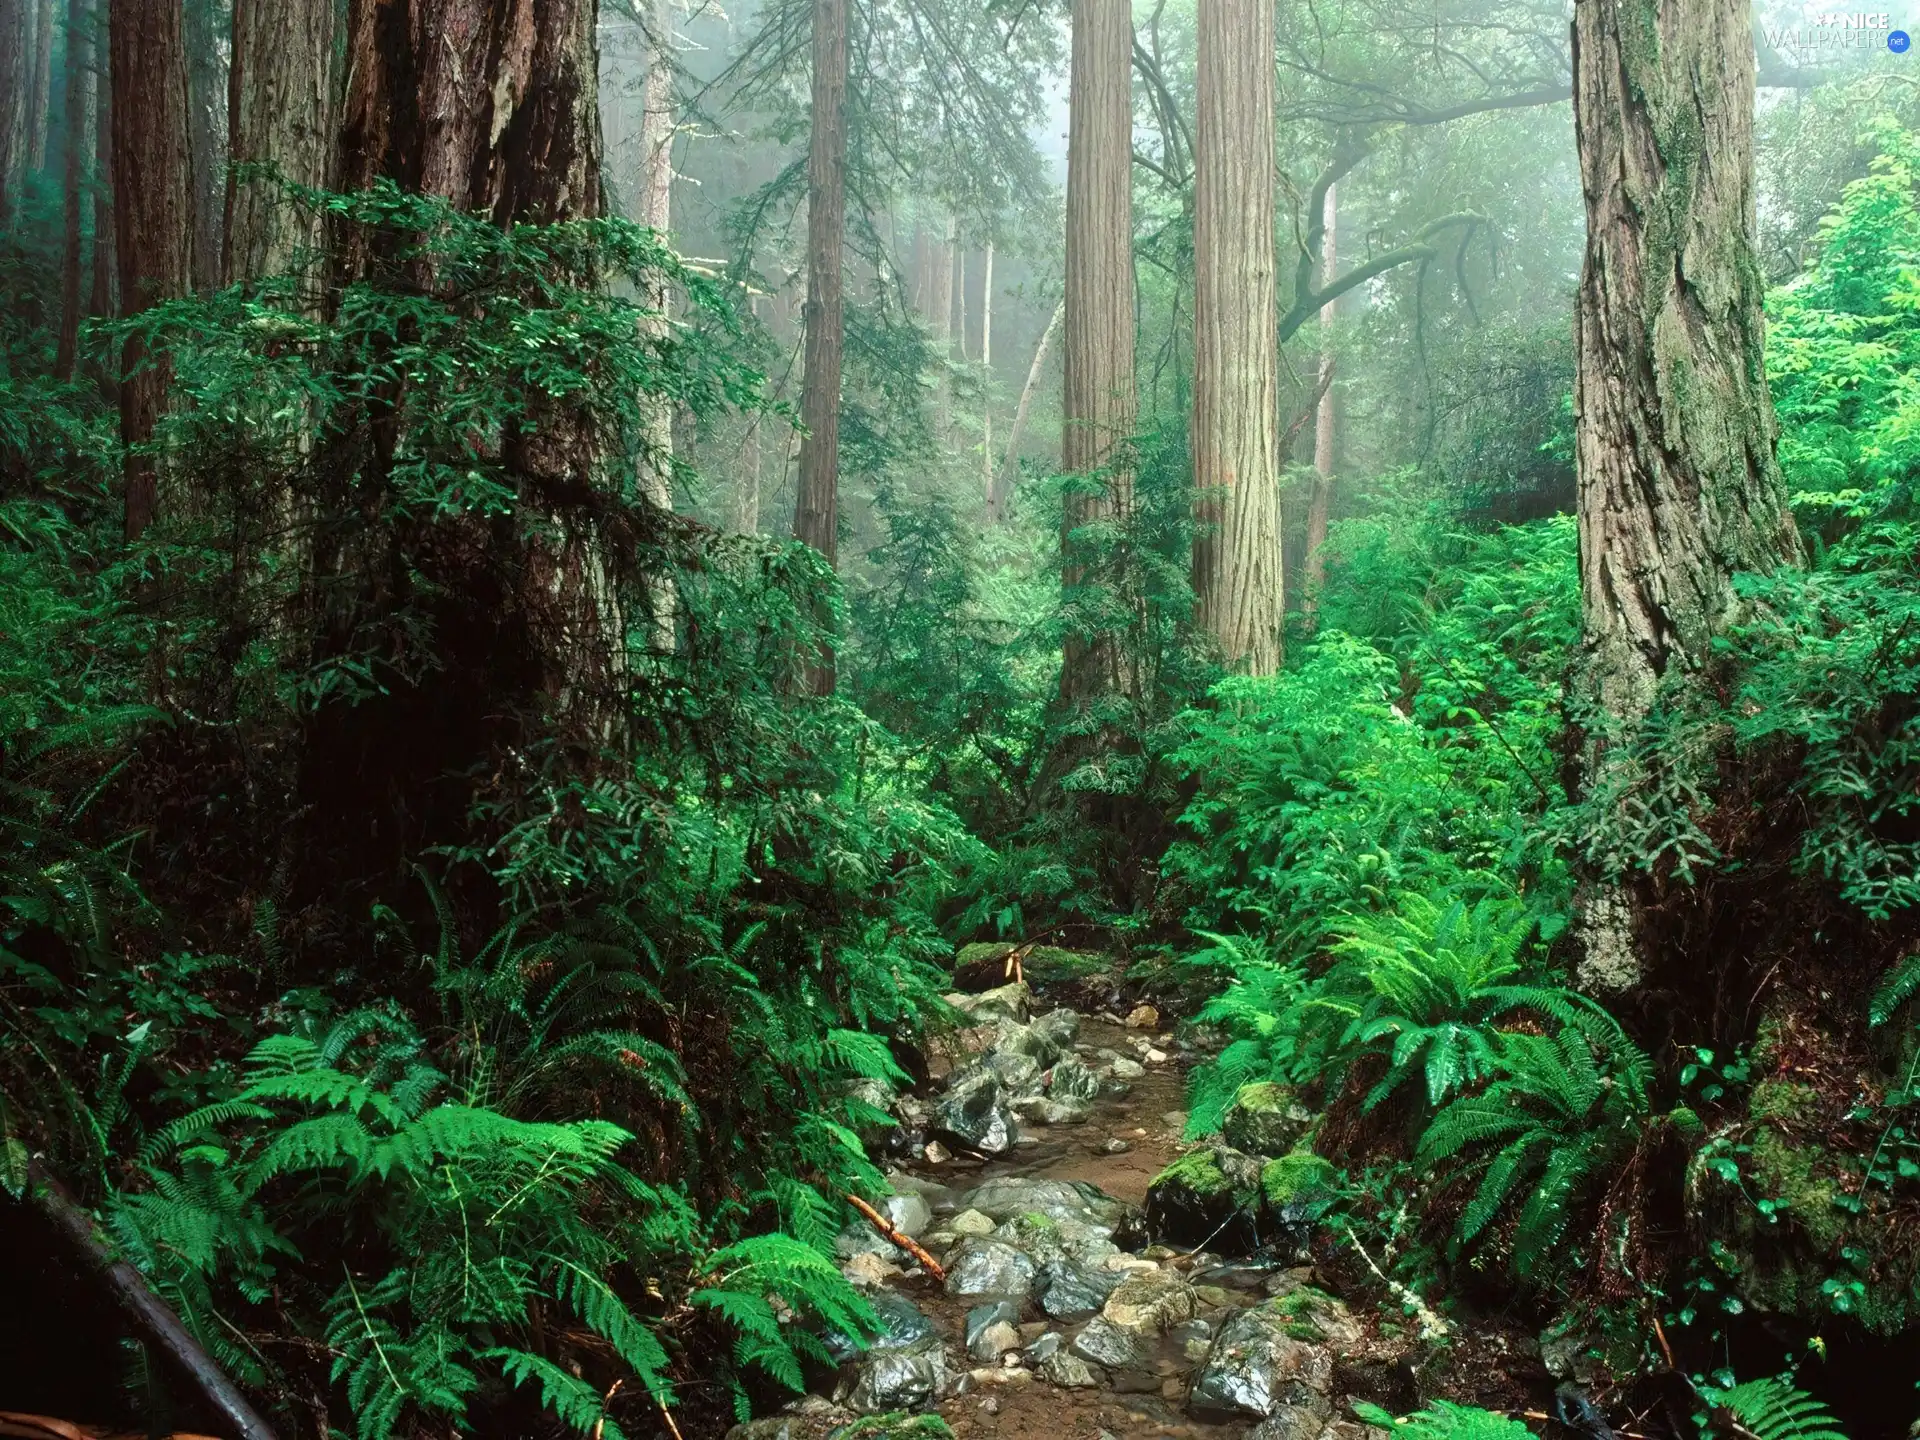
column 1660, row 1334
column 1432, row 1327
column 906, row 1242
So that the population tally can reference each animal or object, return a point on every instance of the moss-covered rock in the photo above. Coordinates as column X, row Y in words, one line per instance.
column 1209, row 1196
column 1295, row 1179
column 1264, row 1118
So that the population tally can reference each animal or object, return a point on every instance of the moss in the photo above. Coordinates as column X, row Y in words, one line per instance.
column 1292, row 1176
column 1042, row 963
column 1795, row 1174
column 1785, row 1102
column 1197, row 1172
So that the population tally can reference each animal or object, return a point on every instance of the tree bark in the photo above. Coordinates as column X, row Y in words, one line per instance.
column 40, row 96
column 1326, row 424
column 1236, row 363
column 986, row 375
column 816, row 516
column 280, row 113
column 1678, row 484
column 942, row 317
column 16, row 37
column 153, row 205
column 79, row 94
column 1000, row 498
column 101, row 299
column 1099, row 397
column 207, row 140
column 656, row 212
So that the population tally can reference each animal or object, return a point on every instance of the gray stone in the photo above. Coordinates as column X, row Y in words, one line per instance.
column 1010, row 1002
column 909, row 1214
column 1264, row 1119
column 994, row 1312
column 1070, row 1079
column 1125, row 1069
column 1009, row 1195
column 1019, row 1074
column 1064, row 1112
column 902, row 1324
column 989, row 1267
column 994, row 1341
column 1060, row 1026
column 1068, row 1371
column 1295, row 1422
column 971, row 1222
column 1043, row 1346
column 1105, row 1343
column 903, row 1379
column 860, row 1238
column 1025, row 1040
column 1255, row 1366
column 1070, row 1289
column 971, row 1113
column 812, row 1418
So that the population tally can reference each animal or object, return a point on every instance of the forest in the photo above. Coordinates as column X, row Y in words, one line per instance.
column 1046, row 719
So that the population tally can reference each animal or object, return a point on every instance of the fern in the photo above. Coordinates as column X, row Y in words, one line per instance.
column 1776, row 1409
column 567, row 1396
column 1896, row 989
column 1444, row 1420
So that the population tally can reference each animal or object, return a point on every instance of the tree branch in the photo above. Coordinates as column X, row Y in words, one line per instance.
column 1308, row 302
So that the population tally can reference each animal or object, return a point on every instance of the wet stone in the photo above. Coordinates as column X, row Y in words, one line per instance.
column 910, row 1214
column 994, row 1341
column 971, row 1113
column 903, row 1379
column 1106, row 1343
column 1294, row 1422
column 1043, row 1346
column 1070, row 1289
column 1068, row 1371
column 1063, row 1112
column 1071, row 1079
column 1018, row 1074
column 1007, row 1196
column 1060, row 1026
column 989, row 1267
column 994, row 1312
column 1025, row 1040
column 902, row 1324
column 1256, row 1366
column 971, row 1222
column 1151, row 1302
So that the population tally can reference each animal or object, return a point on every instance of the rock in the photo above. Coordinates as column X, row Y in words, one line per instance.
column 860, row 1238
column 971, row 1222
column 936, row 1153
column 1069, row 1289
column 989, row 1267
column 994, row 1341
column 1064, row 1112
column 1256, row 1366
column 1124, row 1069
column 1070, row 1079
column 910, row 1214
column 1264, row 1118
column 812, row 1418
column 869, row 1271
column 1154, row 1056
column 1173, row 1388
column 1143, row 1017
column 1007, row 1002
column 1105, row 1343
column 971, row 1113
column 992, row 1375
column 1304, row 1421
column 902, row 1323
column 1209, row 1196
column 902, row 1379
column 1025, row 1040
column 1044, row 1345
column 1112, row 1145
column 1068, row 1371
column 1007, row 1196
column 1151, row 1302
column 994, row 1312
column 1018, row 1074
column 1060, row 1026
column 874, row 1096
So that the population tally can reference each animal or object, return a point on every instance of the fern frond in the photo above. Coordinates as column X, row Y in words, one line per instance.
column 1776, row 1409
column 569, row 1397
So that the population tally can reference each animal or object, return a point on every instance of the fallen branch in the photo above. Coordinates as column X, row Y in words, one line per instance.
column 1432, row 1327
column 906, row 1242
column 151, row 1319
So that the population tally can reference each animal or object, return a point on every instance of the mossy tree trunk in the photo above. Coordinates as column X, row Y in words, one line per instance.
column 1678, row 485
column 280, row 112
column 1237, row 576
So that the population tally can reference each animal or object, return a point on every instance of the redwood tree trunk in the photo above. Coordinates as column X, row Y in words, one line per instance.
column 816, row 516
column 1239, row 600
column 1326, row 422
column 40, row 79
column 207, row 139
column 1678, row 485
column 280, row 112
column 1099, row 400
column 15, row 34
column 100, row 293
column 79, row 95
column 153, row 208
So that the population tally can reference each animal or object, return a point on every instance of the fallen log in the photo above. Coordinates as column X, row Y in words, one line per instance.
column 151, row 1319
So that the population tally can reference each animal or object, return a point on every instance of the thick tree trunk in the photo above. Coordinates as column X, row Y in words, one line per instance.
column 280, row 113
column 1236, row 363
column 15, row 50
column 655, row 210
column 101, row 298
column 1099, row 400
column 986, row 377
column 1325, row 426
column 816, row 516
column 1678, row 485
column 1000, row 498
column 153, row 204
column 40, row 96
column 79, row 98
column 207, row 138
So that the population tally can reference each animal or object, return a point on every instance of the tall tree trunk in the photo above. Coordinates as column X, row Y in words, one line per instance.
column 940, row 314
column 656, row 212
column 16, row 38
column 1236, row 362
column 100, row 293
column 207, row 139
column 153, row 205
column 816, row 516
column 986, row 377
column 1000, row 497
column 280, row 113
column 1099, row 400
column 79, row 96
column 1325, row 426
column 1678, row 484
column 40, row 96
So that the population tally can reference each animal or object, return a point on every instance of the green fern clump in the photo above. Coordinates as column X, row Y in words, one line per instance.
column 1444, row 1420
column 1773, row 1408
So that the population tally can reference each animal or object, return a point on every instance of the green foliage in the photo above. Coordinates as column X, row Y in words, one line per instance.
column 1444, row 1420
column 1774, row 1409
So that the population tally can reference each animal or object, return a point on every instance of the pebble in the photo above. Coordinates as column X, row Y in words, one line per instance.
column 869, row 1270
column 1143, row 1017
column 937, row 1154
column 1112, row 1146
column 1155, row 1057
